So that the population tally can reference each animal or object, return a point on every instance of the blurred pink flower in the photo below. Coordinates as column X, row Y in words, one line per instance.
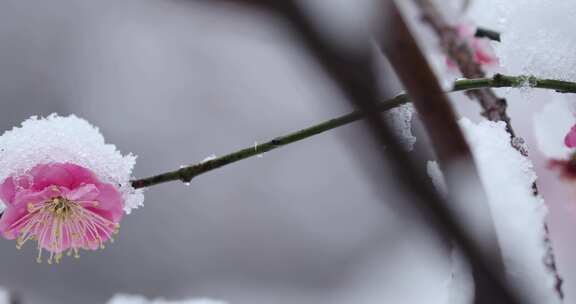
column 567, row 168
column 570, row 139
column 62, row 206
column 483, row 52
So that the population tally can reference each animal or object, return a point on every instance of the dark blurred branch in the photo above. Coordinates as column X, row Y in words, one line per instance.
column 353, row 72
column 460, row 51
column 186, row 174
column 14, row 298
column 452, row 150
column 487, row 33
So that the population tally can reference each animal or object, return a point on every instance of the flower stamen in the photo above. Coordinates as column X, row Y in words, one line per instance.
column 59, row 224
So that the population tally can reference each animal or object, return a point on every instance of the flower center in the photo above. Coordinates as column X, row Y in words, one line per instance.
column 59, row 206
column 60, row 224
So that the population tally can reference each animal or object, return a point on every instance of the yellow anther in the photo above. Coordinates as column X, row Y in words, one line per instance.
column 59, row 218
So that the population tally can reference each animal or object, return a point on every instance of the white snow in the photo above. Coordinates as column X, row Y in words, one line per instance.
column 436, row 176
column 208, row 158
column 4, row 296
column 400, row 120
column 461, row 284
column 67, row 139
column 137, row 299
column 537, row 35
column 518, row 215
column 551, row 125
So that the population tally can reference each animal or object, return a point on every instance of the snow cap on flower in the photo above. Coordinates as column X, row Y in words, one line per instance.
column 69, row 139
column 63, row 186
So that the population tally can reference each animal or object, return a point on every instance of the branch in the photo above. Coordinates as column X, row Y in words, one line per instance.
column 353, row 73
column 459, row 50
column 438, row 118
column 487, row 33
column 186, row 174
column 522, row 81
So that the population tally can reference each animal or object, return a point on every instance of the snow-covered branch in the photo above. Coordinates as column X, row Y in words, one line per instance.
column 458, row 49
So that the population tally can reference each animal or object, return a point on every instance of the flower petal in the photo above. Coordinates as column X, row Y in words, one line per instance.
column 570, row 139
column 110, row 203
column 7, row 191
column 81, row 175
column 49, row 175
column 66, row 175
column 25, row 197
column 87, row 192
column 9, row 217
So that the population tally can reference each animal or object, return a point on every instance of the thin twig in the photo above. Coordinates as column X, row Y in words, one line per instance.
column 186, row 174
column 522, row 81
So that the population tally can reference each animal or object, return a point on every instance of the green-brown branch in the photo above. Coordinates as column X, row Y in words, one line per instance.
column 186, row 174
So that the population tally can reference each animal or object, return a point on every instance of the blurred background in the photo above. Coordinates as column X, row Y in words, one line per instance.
column 177, row 81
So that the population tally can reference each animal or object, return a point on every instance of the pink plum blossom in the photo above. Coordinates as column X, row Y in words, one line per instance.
column 567, row 167
column 570, row 139
column 483, row 51
column 61, row 206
